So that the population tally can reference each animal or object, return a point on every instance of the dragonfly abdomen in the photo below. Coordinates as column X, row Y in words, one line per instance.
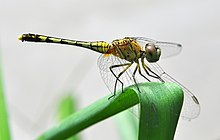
column 98, row 46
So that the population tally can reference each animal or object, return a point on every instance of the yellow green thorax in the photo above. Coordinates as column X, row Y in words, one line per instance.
column 126, row 48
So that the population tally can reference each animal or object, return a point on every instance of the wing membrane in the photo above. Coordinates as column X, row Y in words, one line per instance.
column 191, row 106
column 104, row 64
column 167, row 48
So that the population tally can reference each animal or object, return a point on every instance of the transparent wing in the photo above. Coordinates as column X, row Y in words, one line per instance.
column 104, row 63
column 191, row 106
column 167, row 48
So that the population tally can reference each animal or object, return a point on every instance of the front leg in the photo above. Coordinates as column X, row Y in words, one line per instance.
column 146, row 68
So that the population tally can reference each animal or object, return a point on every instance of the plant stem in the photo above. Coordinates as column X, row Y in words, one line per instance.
column 160, row 109
column 105, row 108
column 4, row 125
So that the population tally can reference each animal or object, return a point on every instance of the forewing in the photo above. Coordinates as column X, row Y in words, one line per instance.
column 167, row 48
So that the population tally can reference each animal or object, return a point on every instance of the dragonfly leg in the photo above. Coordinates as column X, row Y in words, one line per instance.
column 133, row 76
column 139, row 70
column 157, row 76
column 146, row 68
column 118, row 76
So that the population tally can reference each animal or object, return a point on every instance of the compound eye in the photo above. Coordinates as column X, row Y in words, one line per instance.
column 151, row 49
column 152, row 52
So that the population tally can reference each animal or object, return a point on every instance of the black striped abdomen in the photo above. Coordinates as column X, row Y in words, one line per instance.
column 98, row 46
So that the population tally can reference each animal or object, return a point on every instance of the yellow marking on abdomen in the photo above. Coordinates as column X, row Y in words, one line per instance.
column 98, row 46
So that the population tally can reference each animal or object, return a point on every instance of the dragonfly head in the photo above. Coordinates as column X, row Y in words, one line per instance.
column 152, row 52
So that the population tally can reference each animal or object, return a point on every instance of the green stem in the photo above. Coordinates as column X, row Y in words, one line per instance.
column 105, row 108
column 67, row 106
column 4, row 125
column 160, row 109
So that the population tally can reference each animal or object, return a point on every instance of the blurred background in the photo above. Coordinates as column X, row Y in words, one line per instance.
column 37, row 75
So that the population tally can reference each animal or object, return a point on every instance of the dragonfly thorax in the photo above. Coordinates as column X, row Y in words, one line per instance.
column 127, row 49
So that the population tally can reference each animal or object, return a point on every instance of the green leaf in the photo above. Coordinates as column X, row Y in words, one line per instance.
column 105, row 108
column 160, row 109
column 4, row 125
column 67, row 106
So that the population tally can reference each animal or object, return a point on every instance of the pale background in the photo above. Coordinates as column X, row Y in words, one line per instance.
column 37, row 74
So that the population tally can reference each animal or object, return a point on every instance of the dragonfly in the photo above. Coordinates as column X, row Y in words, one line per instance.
column 122, row 59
